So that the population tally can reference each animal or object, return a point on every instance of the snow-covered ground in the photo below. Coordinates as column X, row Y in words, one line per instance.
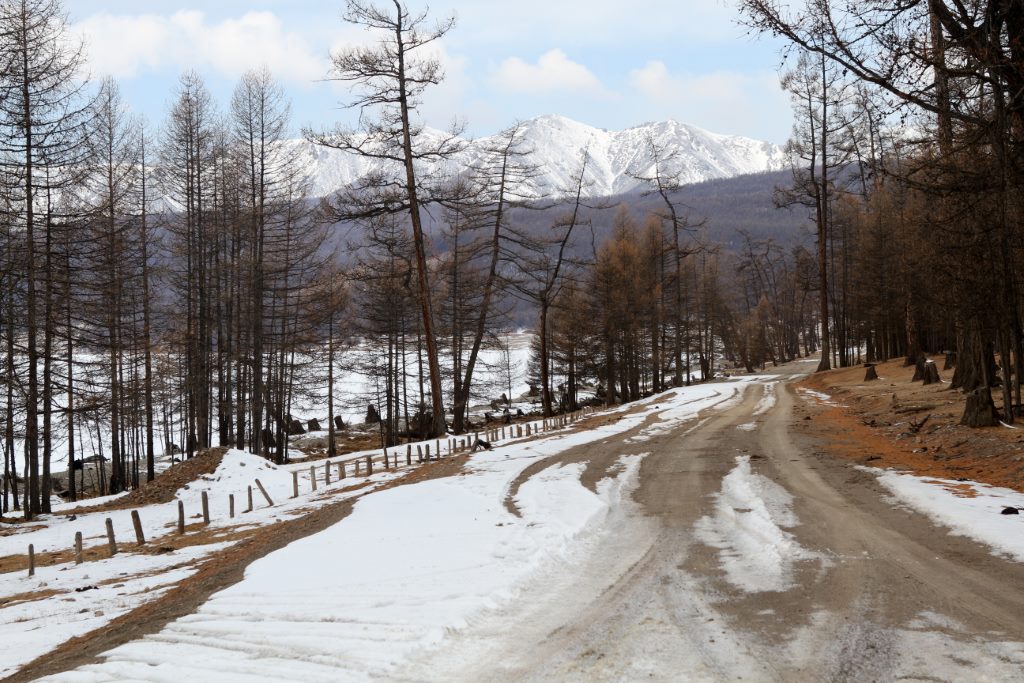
column 410, row 565
column 499, row 371
column 967, row 508
column 65, row 600
column 819, row 396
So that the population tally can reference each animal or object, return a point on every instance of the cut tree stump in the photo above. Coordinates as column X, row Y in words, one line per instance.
column 919, row 369
column 931, row 373
column 950, row 361
column 979, row 410
column 870, row 373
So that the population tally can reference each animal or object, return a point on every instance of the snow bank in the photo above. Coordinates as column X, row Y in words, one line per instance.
column 237, row 471
column 976, row 517
column 39, row 624
column 747, row 527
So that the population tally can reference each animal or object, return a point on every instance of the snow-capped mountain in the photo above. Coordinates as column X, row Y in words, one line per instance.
column 557, row 142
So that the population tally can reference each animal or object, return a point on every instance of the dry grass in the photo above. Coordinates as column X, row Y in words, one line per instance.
column 894, row 422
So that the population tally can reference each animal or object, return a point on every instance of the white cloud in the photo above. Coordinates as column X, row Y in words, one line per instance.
column 553, row 72
column 597, row 22
column 719, row 101
column 126, row 45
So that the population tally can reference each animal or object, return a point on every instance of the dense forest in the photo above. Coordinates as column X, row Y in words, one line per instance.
column 177, row 287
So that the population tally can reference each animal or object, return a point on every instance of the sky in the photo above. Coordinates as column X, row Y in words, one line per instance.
column 612, row 64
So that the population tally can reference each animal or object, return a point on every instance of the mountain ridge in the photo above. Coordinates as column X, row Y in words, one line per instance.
column 557, row 143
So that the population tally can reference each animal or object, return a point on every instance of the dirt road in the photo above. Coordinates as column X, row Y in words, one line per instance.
column 747, row 552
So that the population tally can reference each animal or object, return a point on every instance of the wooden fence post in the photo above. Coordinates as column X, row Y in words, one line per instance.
column 181, row 517
column 265, row 494
column 419, row 453
column 341, row 470
column 31, row 560
column 295, row 484
column 387, row 466
column 249, row 497
column 231, row 505
column 327, row 473
column 408, row 454
column 206, row 508
column 369, row 465
column 312, row 475
column 78, row 547
column 137, row 523
column 111, row 543
column 428, row 452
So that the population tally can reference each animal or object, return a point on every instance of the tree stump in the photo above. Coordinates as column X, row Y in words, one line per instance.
column 372, row 416
column 931, row 373
column 870, row 374
column 979, row 410
column 313, row 425
column 950, row 361
column 339, row 423
column 919, row 368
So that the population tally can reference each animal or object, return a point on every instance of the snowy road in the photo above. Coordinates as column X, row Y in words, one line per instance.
column 748, row 554
column 695, row 537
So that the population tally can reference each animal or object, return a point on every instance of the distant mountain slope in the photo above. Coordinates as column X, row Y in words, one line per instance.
column 557, row 142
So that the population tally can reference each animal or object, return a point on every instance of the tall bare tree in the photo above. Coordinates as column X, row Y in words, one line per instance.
column 390, row 78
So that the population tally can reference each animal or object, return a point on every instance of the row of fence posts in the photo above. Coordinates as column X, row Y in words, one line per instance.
column 140, row 536
column 423, row 454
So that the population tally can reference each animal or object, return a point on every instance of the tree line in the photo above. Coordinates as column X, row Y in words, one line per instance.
column 178, row 288
column 910, row 121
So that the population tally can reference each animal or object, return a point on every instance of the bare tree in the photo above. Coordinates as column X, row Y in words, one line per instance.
column 816, row 90
column 495, row 186
column 543, row 268
column 390, row 77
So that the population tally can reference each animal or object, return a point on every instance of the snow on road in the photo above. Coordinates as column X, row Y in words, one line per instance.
column 767, row 401
column 681, row 405
column 751, row 513
column 409, row 566
column 968, row 508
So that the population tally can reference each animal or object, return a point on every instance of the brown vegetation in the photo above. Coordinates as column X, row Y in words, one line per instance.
column 906, row 425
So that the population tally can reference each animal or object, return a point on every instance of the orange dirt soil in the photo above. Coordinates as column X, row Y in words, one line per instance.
column 895, row 423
